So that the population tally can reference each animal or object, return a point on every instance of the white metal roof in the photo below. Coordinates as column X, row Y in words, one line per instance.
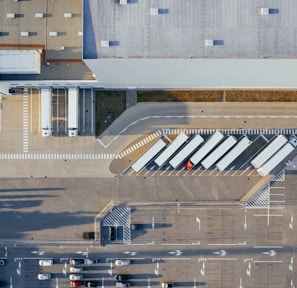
column 20, row 62
column 195, row 73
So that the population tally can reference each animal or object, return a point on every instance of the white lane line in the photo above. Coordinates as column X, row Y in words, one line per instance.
column 272, row 261
column 273, row 215
column 268, row 247
column 222, row 244
column 221, row 259
column 278, row 187
column 173, row 259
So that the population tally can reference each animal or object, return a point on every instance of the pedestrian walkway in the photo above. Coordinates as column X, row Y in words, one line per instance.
column 131, row 98
column 29, row 156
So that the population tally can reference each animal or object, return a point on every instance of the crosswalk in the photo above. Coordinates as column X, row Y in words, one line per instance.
column 25, row 123
column 49, row 156
column 136, row 146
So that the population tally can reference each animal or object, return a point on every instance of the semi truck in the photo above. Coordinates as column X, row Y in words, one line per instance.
column 46, row 112
column 186, row 151
column 148, row 155
column 171, row 149
column 216, row 154
column 210, row 143
column 269, row 150
column 72, row 112
column 275, row 160
column 242, row 144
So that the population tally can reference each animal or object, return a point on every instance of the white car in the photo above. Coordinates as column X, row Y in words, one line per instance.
column 44, row 276
column 75, row 277
column 120, row 262
column 75, row 269
column 46, row 262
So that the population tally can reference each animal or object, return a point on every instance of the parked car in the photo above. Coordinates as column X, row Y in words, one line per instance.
column 75, row 277
column 91, row 261
column 76, row 261
column 75, row 283
column 44, row 276
column 75, row 269
column 110, row 117
column 121, row 278
column 167, row 284
column 123, row 285
column 46, row 262
column 91, row 284
column 89, row 235
column 122, row 262
column 112, row 233
column 136, row 226
column 2, row 262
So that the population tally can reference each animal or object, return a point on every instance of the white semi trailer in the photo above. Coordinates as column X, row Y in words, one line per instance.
column 148, row 155
column 216, row 154
column 269, row 150
column 186, row 151
column 210, row 143
column 46, row 112
column 242, row 144
column 276, row 159
column 169, row 151
column 72, row 112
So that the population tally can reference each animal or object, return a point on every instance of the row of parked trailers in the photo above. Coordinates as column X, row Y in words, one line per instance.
column 216, row 150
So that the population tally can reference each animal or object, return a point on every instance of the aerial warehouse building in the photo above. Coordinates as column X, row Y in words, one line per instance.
column 148, row 155
column 269, row 150
column 46, row 112
column 171, row 149
column 276, row 159
column 221, row 150
column 231, row 156
column 186, row 151
column 211, row 142
column 73, row 112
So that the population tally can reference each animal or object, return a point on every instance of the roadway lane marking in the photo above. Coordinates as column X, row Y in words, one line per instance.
column 268, row 247
column 268, row 261
column 221, row 259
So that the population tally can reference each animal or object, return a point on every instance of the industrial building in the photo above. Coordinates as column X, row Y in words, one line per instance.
column 193, row 44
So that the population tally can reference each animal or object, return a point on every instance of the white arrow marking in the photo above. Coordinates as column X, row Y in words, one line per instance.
column 270, row 253
column 102, row 282
column 57, row 283
column 245, row 225
column 38, row 252
column 221, row 253
column 148, row 282
column 82, row 253
column 292, row 284
column 291, row 222
column 10, row 282
column 240, row 283
column 130, row 253
column 194, row 282
column 291, row 265
column 176, row 252
column 198, row 221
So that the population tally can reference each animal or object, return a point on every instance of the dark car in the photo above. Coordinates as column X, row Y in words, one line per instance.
column 136, row 226
column 2, row 262
column 112, row 233
column 2, row 283
column 76, row 261
column 91, row 284
column 121, row 278
column 89, row 235
column 110, row 117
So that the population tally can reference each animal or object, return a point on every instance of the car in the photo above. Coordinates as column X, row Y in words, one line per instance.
column 112, row 233
column 188, row 165
column 91, row 284
column 3, row 283
column 122, row 262
column 2, row 262
column 46, row 262
column 75, row 283
column 75, row 269
column 136, row 226
column 76, row 261
column 89, row 235
column 110, row 117
column 44, row 276
column 167, row 284
column 123, row 285
column 91, row 261
column 121, row 278
column 75, row 277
